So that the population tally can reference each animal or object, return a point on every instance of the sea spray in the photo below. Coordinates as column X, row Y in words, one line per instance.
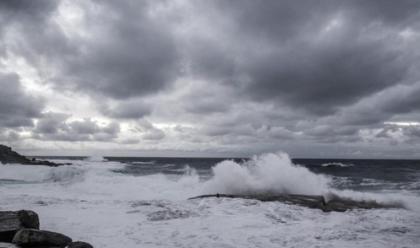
column 268, row 173
column 95, row 158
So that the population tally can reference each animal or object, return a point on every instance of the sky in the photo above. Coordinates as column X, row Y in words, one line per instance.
column 315, row 79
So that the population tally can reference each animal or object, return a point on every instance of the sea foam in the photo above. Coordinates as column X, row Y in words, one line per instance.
column 268, row 173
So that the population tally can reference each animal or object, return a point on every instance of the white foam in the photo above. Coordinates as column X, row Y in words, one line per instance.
column 268, row 173
column 336, row 164
column 95, row 158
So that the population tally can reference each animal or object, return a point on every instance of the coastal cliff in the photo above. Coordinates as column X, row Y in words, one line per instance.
column 8, row 156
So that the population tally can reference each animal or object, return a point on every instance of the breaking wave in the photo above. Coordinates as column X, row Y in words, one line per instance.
column 40, row 174
column 274, row 173
column 96, row 158
column 269, row 173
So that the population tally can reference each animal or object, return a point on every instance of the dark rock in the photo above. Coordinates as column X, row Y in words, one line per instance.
column 79, row 244
column 40, row 238
column 12, row 221
column 8, row 156
column 334, row 203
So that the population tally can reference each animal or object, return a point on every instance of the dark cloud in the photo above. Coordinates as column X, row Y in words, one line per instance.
column 322, row 79
column 148, row 131
column 17, row 108
column 22, row 12
column 317, row 56
column 126, row 52
column 238, row 74
column 131, row 109
column 57, row 127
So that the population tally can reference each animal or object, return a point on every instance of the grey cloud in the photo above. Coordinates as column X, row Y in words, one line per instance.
column 321, row 80
column 260, row 73
column 22, row 13
column 9, row 136
column 130, row 109
column 128, row 52
column 56, row 127
column 281, row 54
column 149, row 131
column 17, row 108
column 380, row 107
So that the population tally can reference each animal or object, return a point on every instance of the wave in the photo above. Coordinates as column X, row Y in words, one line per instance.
column 336, row 164
column 95, row 158
column 269, row 173
column 40, row 174
column 274, row 173
column 143, row 162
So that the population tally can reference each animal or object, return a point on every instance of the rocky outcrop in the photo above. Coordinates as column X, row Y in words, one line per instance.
column 21, row 229
column 79, row 244
column 8, row 156
column 333, row 203
column 34, row 237
column 13, row 221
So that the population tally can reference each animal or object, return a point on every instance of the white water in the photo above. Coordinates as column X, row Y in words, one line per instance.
column 268, row 173
column 89, row 202
column 336, row 164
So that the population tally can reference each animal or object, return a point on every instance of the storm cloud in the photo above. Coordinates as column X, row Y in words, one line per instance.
column 17, row 107
column 242, row 76
column 57, row 127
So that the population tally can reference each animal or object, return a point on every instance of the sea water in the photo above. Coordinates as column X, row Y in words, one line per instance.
column 143, row 202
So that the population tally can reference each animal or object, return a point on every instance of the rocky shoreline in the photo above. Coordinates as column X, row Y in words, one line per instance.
column 334, row 203
column 8, row 156
column 19, row 229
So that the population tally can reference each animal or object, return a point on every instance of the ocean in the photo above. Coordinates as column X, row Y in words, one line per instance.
column 143, row 202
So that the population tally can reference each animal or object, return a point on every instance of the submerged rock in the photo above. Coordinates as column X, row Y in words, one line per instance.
column 13, row 221
column 34, row 237
column 334, row 203
column 79, row 244
column 8, row 156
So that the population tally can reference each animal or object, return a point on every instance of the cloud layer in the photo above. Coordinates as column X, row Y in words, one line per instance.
column 232, row 77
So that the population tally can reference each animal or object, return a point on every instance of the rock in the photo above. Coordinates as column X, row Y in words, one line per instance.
column 12, row 221
column 34, row 237
column 8, row 245
column 334, row 203
column 79, row 244
column 8, row 156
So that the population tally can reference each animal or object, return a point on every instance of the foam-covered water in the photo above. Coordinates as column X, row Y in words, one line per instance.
column 143, row 203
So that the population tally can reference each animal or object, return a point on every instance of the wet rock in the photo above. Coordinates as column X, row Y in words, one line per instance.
column 334, row 202
column 8, row 156
column 13, row 221
column 79, row 244
column 34, row 237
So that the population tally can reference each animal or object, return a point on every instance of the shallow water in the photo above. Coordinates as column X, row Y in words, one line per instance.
column 142, row 202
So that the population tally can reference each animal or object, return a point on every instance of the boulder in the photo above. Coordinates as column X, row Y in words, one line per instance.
column 40, row 238
column 13, row 221
column 79, row 244
column 8, row 156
